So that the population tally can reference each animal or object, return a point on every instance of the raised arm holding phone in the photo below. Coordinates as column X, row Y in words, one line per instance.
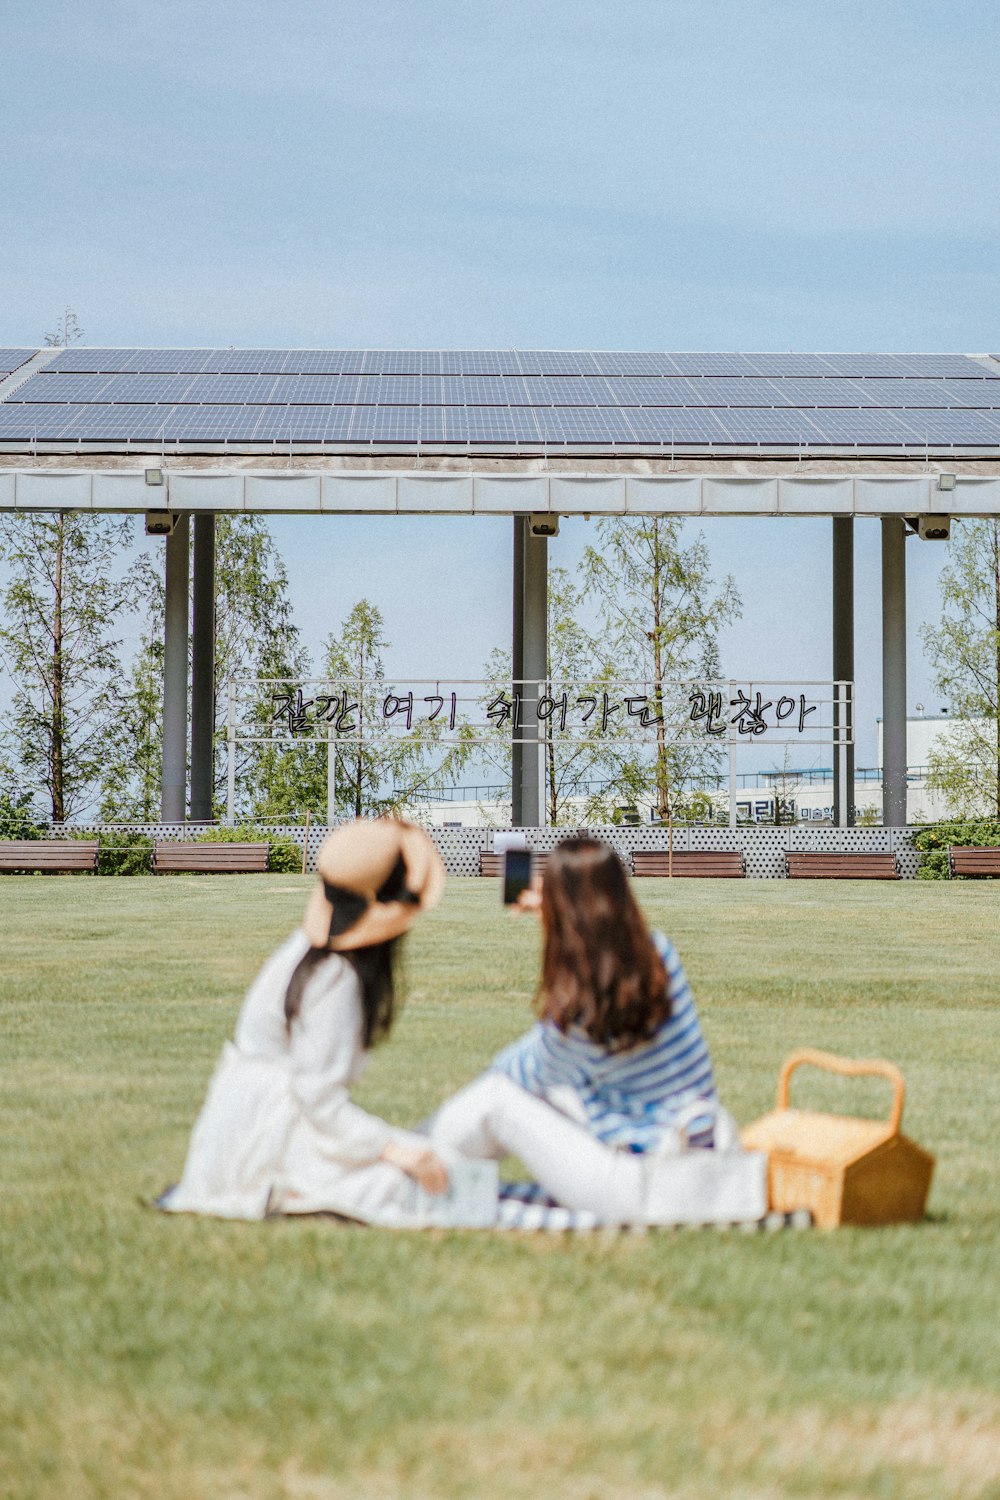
column 616, row 1063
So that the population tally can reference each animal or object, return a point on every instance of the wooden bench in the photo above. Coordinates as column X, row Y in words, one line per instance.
column 963, row 860
column 50, row 856
column 810, row 865
column 492, row 864
column 703, row 864
column 209, row 859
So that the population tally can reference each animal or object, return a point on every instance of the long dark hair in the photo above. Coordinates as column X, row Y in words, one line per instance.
column 375, row 965
column 600, row 970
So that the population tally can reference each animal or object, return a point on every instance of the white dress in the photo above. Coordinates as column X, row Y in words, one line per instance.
column 278, row 1130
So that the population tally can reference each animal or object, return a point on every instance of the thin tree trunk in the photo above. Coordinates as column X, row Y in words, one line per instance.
column 550, row 744
column 359, row 760
column 996, row 661
column 58, row 695
column 550, row 756
column 662, row 769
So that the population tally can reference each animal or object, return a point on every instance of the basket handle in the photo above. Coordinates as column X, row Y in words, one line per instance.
column 851, row 1068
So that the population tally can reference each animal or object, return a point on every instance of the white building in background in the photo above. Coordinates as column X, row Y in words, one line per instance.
column 806, row 795
column 812, row 792
column 925, row 734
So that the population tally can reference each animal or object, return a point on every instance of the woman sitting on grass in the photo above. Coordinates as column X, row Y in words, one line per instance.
column 278, row 1131
column 615, row 1066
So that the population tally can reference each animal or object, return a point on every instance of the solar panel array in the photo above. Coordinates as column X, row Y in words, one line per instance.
column 502, row 362
column 504, row 399
column 13, row 359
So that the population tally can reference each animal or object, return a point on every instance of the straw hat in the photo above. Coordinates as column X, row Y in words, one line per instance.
column 359, row 857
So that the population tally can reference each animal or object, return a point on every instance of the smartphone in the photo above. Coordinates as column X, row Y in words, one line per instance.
column 516, row 874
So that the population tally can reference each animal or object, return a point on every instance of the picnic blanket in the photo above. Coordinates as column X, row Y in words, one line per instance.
column 526, row 1207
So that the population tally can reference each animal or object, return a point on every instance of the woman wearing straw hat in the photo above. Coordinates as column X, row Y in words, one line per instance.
column 278, row 1130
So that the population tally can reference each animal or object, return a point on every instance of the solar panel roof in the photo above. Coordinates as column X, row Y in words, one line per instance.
column 12, row 359
column 508, row 362
column 503, row 400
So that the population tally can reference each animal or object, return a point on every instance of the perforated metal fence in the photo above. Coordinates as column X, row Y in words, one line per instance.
column 763, row 848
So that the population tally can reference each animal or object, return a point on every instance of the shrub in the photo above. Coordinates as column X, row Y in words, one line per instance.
column 124, row 853
column 934, row 840
column 17, row 820
column 284, row 855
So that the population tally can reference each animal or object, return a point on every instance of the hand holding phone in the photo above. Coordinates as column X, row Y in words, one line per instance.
column 516, row 874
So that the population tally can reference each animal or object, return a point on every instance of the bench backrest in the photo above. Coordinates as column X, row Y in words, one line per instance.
column 491, row 863
column 809, row 864
column 968, row 860
column 48, row 854
column 706, row 863
column 218, row 859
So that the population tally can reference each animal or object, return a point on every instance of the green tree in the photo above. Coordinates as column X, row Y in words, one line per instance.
column 284, row 779
column 18, row 819
column 67, row 331
column 130, row 782
column 964, row 650
column 587, row 770
column 256, row 641
column 379, row 768
column 662, row 613
column 64, row 602
column 785, row 783
column 574, row 666
column 130, row 789
column 355, row 657
column 493, row 749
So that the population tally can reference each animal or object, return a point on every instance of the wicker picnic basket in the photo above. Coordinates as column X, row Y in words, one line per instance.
column 844, row 1170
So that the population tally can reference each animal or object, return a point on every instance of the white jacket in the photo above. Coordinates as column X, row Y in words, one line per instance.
column 278, row 1128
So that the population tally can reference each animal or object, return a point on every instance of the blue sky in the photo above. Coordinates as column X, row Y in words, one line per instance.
column 690, row 174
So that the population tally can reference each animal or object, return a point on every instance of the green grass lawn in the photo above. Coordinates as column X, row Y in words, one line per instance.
column 143, row 1356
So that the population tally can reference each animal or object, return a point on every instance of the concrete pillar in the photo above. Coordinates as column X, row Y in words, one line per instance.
column 530, row 661
column 202, row 668
column 843, row 662
column 173, row 784
column 893, row 673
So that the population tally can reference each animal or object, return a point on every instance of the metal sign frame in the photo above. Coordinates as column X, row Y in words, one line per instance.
column 745, row 726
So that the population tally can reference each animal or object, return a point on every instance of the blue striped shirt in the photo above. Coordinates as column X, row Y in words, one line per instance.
column 632, row 1097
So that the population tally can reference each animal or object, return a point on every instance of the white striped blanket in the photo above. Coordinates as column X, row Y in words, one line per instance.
column 524, row 1206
